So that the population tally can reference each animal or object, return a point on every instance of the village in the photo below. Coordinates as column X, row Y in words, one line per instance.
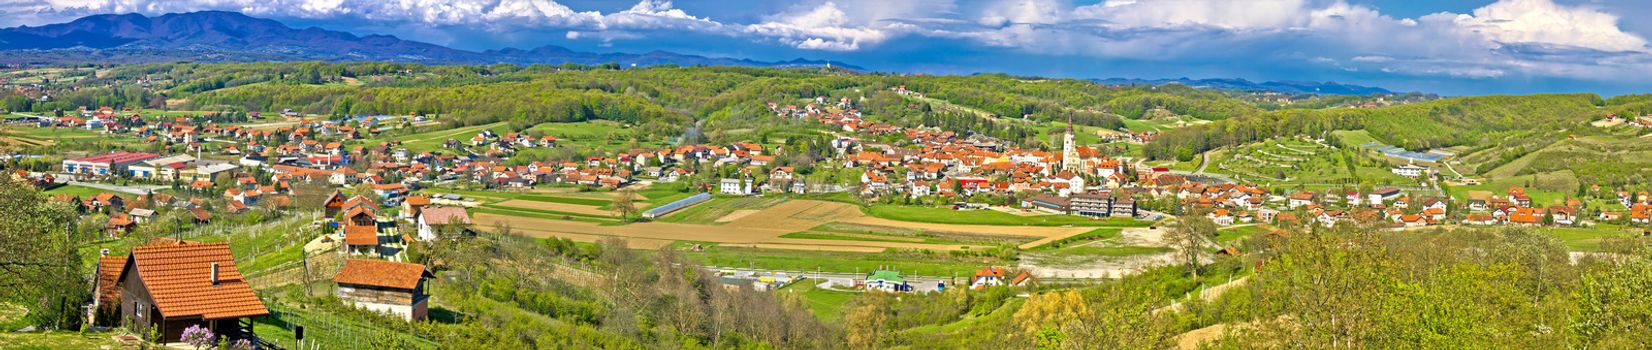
column 377, row 198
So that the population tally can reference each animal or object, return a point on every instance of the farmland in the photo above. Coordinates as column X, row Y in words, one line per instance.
column 1282, row 162
column 763, row 230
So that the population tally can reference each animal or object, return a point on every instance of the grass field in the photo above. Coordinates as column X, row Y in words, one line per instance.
column 73, row 190
column 825, row 304
column 847, row 237
column 918, row 235
column 1228, row 235
column 56, row 340
column 1093, row 235
column 798, row 260
column 1545, row 189
column 594, row 134
column 990, row 217
column 432, row 140
column 1161, row 124
column 1586, row 238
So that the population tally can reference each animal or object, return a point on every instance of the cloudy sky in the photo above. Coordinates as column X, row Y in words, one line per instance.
column 1447, row 46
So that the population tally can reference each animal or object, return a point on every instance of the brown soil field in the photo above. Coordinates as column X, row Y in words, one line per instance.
column 736, row 215
column 758, row 228
column 798, row 215
column 562, row 207
column 830, row 248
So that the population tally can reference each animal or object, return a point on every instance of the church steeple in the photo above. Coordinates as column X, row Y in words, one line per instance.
column 1069, row 151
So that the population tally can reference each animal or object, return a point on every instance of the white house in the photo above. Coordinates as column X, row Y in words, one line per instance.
column 1409, row 170
column 433, row 219
column 736, row 187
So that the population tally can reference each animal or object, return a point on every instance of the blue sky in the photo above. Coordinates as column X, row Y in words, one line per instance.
column 1457, row 47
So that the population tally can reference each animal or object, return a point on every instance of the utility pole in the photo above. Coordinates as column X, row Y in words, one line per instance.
column 304, row 260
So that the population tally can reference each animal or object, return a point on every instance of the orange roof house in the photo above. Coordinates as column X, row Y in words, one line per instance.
column 107, row 290
column 174, row 286
column 385, row 286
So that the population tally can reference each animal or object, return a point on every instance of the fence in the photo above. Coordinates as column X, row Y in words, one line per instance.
column 335, row 331
column 677, row 205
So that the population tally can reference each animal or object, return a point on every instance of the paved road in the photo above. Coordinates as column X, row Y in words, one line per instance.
column 138, row 190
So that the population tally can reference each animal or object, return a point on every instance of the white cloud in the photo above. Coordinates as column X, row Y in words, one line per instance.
column 1543, row 21
column 1502, row 39
column 824, row 27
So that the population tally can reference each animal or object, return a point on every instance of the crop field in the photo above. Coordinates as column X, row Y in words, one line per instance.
column 781, row 224
column 1292, row 161
column 1545, row 189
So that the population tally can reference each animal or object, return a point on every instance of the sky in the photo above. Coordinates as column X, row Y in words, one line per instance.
column 1452, row 47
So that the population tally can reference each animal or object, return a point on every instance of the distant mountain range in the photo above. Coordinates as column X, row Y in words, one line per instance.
column 216, row 36
column 1294, row 87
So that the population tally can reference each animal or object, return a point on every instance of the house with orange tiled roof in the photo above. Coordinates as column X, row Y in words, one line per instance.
column 387, row 287
column 106, row 292
column 170, row 287
column 361, row 226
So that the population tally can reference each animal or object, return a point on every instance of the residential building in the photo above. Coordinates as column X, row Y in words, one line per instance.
column 170, row 287
column 394, row 288
column 435, row 220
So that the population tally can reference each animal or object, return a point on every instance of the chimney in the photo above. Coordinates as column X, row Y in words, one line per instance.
column 103, row 252
column 214, row 274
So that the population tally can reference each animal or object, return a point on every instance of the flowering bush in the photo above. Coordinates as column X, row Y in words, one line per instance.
column 242, row 344
column 199, row 336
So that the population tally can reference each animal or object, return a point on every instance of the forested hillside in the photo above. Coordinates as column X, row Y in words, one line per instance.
column 1443, row 123
column 664, row 100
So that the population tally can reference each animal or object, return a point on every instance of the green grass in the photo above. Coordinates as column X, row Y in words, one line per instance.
column 542, row 214
column 927, row 236
column 1093, row 235
column 1052, row 132
column 991, row 217
column 55, row 340
column 496, row 208
column 52, row 132
column 80, row 191
column 1161, row 124
column 825, row 304
column 826, row 261
column 566, row 200
column 839, row 237
column 1235, row 234
column 432, row 140
column 595, row 134
column 328, row 330
column 1545, row 189
column 1586, row 238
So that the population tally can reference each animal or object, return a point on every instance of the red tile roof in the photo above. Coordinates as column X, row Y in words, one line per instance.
column 109, row 268
column 179, row 279
column 361, row 234
column 380, row 273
